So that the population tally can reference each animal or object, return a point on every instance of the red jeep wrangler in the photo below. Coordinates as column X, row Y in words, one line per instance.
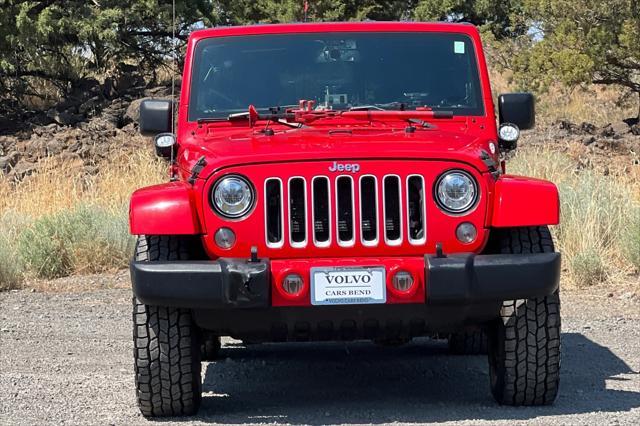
column 342, row 181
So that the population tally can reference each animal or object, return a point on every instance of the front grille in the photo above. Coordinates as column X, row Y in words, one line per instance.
column 416, row 213
column 343, row 210
column 273, row 212
column 369, row 210
column 392, row 210
column 321, row 211
column 298, row 212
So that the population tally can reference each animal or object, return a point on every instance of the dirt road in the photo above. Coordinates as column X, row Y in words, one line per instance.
column 67, row 358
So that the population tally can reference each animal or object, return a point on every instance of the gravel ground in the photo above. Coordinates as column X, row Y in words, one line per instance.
column 67, row 359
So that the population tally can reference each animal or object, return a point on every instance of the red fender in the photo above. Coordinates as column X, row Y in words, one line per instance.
column 166, row 209
column 523, row 201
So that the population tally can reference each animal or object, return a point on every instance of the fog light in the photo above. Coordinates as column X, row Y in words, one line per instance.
column 402, row 281
column 225, row 238
column 293, row 284
column 466, row 233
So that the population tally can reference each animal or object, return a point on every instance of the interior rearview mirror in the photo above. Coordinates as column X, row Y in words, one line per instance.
column 155, row 116
column 518, row 109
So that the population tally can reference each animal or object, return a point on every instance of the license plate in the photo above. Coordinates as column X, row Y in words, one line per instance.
column 348, row 286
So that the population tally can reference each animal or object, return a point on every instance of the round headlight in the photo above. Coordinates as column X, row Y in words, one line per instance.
column 456, row 191
column 232, row 197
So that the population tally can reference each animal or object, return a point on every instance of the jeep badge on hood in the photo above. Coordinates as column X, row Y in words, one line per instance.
column 340, row 167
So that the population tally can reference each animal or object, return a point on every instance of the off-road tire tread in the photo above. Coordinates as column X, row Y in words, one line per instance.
column 166, row 344
column 524, row 346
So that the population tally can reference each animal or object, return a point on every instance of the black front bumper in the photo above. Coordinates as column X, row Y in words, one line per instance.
column 231, row 297
column 469, row 278
column 224, row 283
column 239, row 284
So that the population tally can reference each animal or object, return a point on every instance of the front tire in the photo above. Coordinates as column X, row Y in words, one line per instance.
column 166, row 344
column 524, row 344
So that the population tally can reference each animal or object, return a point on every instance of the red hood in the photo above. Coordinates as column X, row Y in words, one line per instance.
column 239, row 146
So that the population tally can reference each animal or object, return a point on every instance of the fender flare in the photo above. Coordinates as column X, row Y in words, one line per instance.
column 524, row 201
column 165, row 209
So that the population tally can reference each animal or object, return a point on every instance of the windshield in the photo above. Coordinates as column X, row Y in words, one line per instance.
column 338, row 71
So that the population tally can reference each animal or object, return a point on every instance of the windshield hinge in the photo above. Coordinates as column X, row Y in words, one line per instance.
column 197, row 169
column 490, row 163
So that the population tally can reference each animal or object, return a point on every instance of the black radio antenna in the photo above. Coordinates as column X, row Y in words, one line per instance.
column 174, row 66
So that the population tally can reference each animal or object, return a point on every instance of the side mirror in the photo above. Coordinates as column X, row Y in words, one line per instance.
column 155, row 117
column 518, row 109
column 164, row 143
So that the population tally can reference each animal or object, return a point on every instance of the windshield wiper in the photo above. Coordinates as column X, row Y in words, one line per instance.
column 379, row 107
column 421, row 123
column 280, row 108
column 210, row 120
column 277, row 114
column 366, row 108
column 272, row 113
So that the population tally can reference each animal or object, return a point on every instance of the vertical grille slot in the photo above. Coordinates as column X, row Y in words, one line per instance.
column 273, row 212
column 297, row 212
column 415, row 209
column 369, row 210
column 321, row 211
column 392, row 210
column 344, row 209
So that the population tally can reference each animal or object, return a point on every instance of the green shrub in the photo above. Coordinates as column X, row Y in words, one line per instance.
column 11, row 272
column 587, row 268
column 87, row 239
column 631, row 239
column 10, row 276
column 595, row 212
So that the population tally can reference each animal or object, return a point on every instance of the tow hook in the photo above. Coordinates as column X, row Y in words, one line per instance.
column 254, row 255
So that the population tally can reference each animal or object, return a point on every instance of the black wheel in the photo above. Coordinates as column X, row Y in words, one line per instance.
column 166, row 344
column 468, row 343
column 210, row 347
column 524, row 344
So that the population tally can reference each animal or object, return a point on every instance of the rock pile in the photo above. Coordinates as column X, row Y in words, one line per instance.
column 610, row 149
column 621, row 135
column 617, row 142
column 88, row 132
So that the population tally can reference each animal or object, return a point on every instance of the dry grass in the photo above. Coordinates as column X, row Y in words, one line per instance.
column 598, row 216
column 599, row 105
column 592, row 104
column 59, row 221
column 60, row 187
